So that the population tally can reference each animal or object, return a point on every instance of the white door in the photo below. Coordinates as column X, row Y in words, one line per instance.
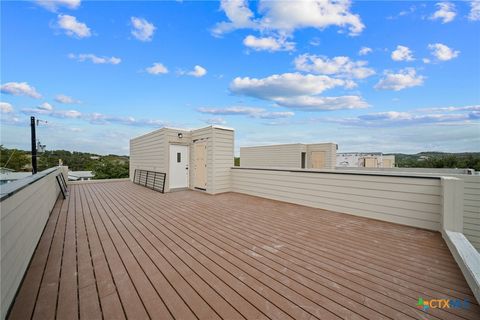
column 200, row 156
column 317, row 159
column 179, row 160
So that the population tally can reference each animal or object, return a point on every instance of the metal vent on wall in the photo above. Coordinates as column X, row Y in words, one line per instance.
column 150, row 179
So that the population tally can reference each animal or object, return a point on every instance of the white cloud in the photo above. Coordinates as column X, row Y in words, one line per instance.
column 426, row 60
column 286, row 85
column 317, row 103
column 217, row 121
column 402, row 53
column 405, row 78
column 259, row 113
column 67, row 114
column 198, row 71
column 284, row 17
column 341, row 66
column 48, row 110
column 61, row 98
column 450, row 109
column 474, row 14
column 72, row 27
column 46, row 106
column 268, row 43
column 364, row 51
column 396, row 118
column 445, row 12
column 157, row 68
column 95, row 59
column 239, row 14
column 54, row 5
column 297, row 91
column 20, row 89
column 6, row 107
column 142, row 29
column 442, row 52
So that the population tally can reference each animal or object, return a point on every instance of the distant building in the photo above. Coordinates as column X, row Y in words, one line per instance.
column 365, row 160
column 80, row 175
column 95, row 158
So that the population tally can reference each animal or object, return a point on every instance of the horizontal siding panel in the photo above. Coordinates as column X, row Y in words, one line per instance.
column 386, row 207
column 347, row 190
column 363, row 196
column 340, row 180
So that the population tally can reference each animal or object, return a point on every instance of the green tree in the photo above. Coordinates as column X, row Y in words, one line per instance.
column 110, row 169
column 14, row 159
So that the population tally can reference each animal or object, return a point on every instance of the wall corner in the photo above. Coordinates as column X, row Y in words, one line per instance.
column 452, row 204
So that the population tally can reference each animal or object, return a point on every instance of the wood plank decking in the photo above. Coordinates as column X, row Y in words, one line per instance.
column 117, row 250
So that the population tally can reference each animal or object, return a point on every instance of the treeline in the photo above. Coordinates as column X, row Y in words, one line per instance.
column 470, row 160
column 104, row 167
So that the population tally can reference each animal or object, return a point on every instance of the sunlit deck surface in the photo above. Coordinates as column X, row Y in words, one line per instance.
column 118, row 250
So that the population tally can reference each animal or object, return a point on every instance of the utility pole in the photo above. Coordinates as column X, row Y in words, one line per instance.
column 34, row 145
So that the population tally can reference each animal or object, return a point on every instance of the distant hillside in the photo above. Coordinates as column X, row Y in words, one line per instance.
column 104, row 167
column 433, row 159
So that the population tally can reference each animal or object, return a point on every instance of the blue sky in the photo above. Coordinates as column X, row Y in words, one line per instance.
column 371, row 76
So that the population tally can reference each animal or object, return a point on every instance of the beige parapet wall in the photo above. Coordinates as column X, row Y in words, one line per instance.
column 287, row 155
column 24, row 214
column 446, row 204
column 471, row 209
column 413, row 201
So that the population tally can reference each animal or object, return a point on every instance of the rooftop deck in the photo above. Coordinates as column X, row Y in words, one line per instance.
column 118, row 250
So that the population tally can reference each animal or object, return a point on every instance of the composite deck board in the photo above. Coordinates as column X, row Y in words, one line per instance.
column 409, row 309
column 118, row 250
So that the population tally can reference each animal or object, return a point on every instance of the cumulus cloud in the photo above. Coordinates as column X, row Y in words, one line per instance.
column 157, row 68
column 474, row 14
column 364, row 51
column 291, row 15
column 94, row 59
column 341, row 66
column 318, row 103
column 54, row 5
column 6, row 107
column 285, row 17
column 298, row 91
column 239, row 15
column 268, row 43
column 61, row 98
column 142, row 29
column 443, row 52
column 402, row 53
column 20, row 89
column 198, row 72
column 259, row 113
column 46, row 106
column 405, row 78
column 72, row 27
column 445, row 12
column 286, row 85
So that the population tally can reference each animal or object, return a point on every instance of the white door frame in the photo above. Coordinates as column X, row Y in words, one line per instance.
column 179, row 171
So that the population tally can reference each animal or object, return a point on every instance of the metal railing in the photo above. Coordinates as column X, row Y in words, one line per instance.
column 150, row 179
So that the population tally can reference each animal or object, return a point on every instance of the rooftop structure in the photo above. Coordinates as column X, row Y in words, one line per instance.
column 117, row 250
column 238, row 242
